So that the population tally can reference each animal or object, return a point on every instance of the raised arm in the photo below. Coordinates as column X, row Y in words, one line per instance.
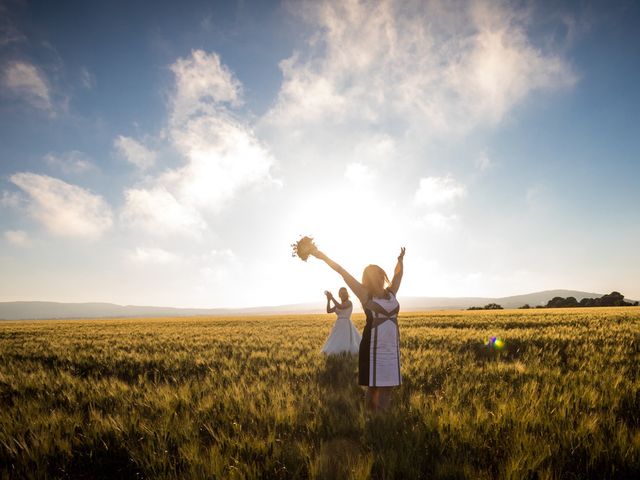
column 330, row 309
column 397, row 273
column 355, row 286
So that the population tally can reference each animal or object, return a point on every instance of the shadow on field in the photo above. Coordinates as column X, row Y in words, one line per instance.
column 356, row 444
column 340, row 452
column 341, row 399
column 513, row 350
column 338, row 372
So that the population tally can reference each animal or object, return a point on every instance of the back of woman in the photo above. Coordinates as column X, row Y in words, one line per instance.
column 344, row 337
column 379, row 353
column 379, row 356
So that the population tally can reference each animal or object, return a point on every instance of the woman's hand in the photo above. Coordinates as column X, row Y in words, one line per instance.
column 401, row 256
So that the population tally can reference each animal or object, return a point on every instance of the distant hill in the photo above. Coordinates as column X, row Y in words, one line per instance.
column 514, row 301
column 41, row 310
column 47, row 310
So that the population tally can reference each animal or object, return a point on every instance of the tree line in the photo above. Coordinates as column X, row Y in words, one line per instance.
column 613, row 299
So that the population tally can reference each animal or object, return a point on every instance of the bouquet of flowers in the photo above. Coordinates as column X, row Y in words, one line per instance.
column 303, row 248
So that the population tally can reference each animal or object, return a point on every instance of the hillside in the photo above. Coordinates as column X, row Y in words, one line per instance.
column 44, row 310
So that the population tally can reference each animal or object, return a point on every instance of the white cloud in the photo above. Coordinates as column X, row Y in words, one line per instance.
column 135, row 152
column 447, row 67
column 359, row 175
column 377, row 148
column 10, row 199
column 483, row 162
column 17, row 238
column 73, row 162
column 27, row 82
column 158, row 212
column 201, row 83
column 153, row 255
column 221, row 154
column 438, row 191
column 222, row 157
column 439, row 221
column 87, row 79
column 393, row 86
column 64, row 209
column 216, row 267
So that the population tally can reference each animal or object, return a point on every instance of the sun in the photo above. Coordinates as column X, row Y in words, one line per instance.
column 350, row 225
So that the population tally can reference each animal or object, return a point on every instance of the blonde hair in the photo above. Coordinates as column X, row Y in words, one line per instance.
column 375, row 281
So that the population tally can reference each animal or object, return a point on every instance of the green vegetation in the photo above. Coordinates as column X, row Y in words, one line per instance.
column 613, row 299
column 253, row 398
column 488, row 306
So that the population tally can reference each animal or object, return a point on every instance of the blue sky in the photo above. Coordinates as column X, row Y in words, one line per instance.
column 165, row 154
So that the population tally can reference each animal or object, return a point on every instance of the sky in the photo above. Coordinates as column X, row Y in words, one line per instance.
column 169, row 153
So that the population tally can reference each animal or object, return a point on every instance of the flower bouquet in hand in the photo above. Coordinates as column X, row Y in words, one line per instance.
column 303, row 248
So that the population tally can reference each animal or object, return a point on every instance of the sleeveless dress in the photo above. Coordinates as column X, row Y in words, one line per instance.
column 379, row 356
column 344, row 337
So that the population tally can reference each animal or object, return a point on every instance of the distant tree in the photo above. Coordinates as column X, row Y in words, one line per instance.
column 635, row 304
column 560, row 302
column 489, row 306
column 525, row 306
column 614, row 299
column 555, row 302
column 571, row 302
column 492, row 306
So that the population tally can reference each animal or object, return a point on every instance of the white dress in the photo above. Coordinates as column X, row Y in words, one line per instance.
column 344, row 338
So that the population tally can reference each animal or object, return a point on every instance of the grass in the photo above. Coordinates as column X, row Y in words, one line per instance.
column 252, row 397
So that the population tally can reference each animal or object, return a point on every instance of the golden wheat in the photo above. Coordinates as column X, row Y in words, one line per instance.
column 252, row 397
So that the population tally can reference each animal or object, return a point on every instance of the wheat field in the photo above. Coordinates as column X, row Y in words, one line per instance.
column 252, row 397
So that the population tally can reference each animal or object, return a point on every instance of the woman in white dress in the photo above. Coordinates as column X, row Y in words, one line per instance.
column 379, row 354
column 344, row 337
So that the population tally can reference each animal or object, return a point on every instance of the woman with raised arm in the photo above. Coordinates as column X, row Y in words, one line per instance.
column 344, row 337
column 379, row 354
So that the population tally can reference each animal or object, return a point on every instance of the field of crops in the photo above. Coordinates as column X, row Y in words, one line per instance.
column 252, row 397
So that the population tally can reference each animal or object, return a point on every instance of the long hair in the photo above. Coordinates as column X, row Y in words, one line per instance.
column 375, row 280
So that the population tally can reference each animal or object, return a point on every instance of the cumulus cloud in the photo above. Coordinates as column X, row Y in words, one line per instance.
column 202, row 82
column 158, row 211
column 393, row 87
column 438, row 191
column 27, row 82
column 17, row 238
column 376, row 149
column 134, row 152
column 221, row 154
column 447, row 66
column 64, row 209
column 73, row 162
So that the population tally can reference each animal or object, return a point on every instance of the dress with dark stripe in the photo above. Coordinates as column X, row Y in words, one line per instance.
column 379, row 354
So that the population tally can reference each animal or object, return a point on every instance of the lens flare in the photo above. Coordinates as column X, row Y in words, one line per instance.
column 495, row 342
